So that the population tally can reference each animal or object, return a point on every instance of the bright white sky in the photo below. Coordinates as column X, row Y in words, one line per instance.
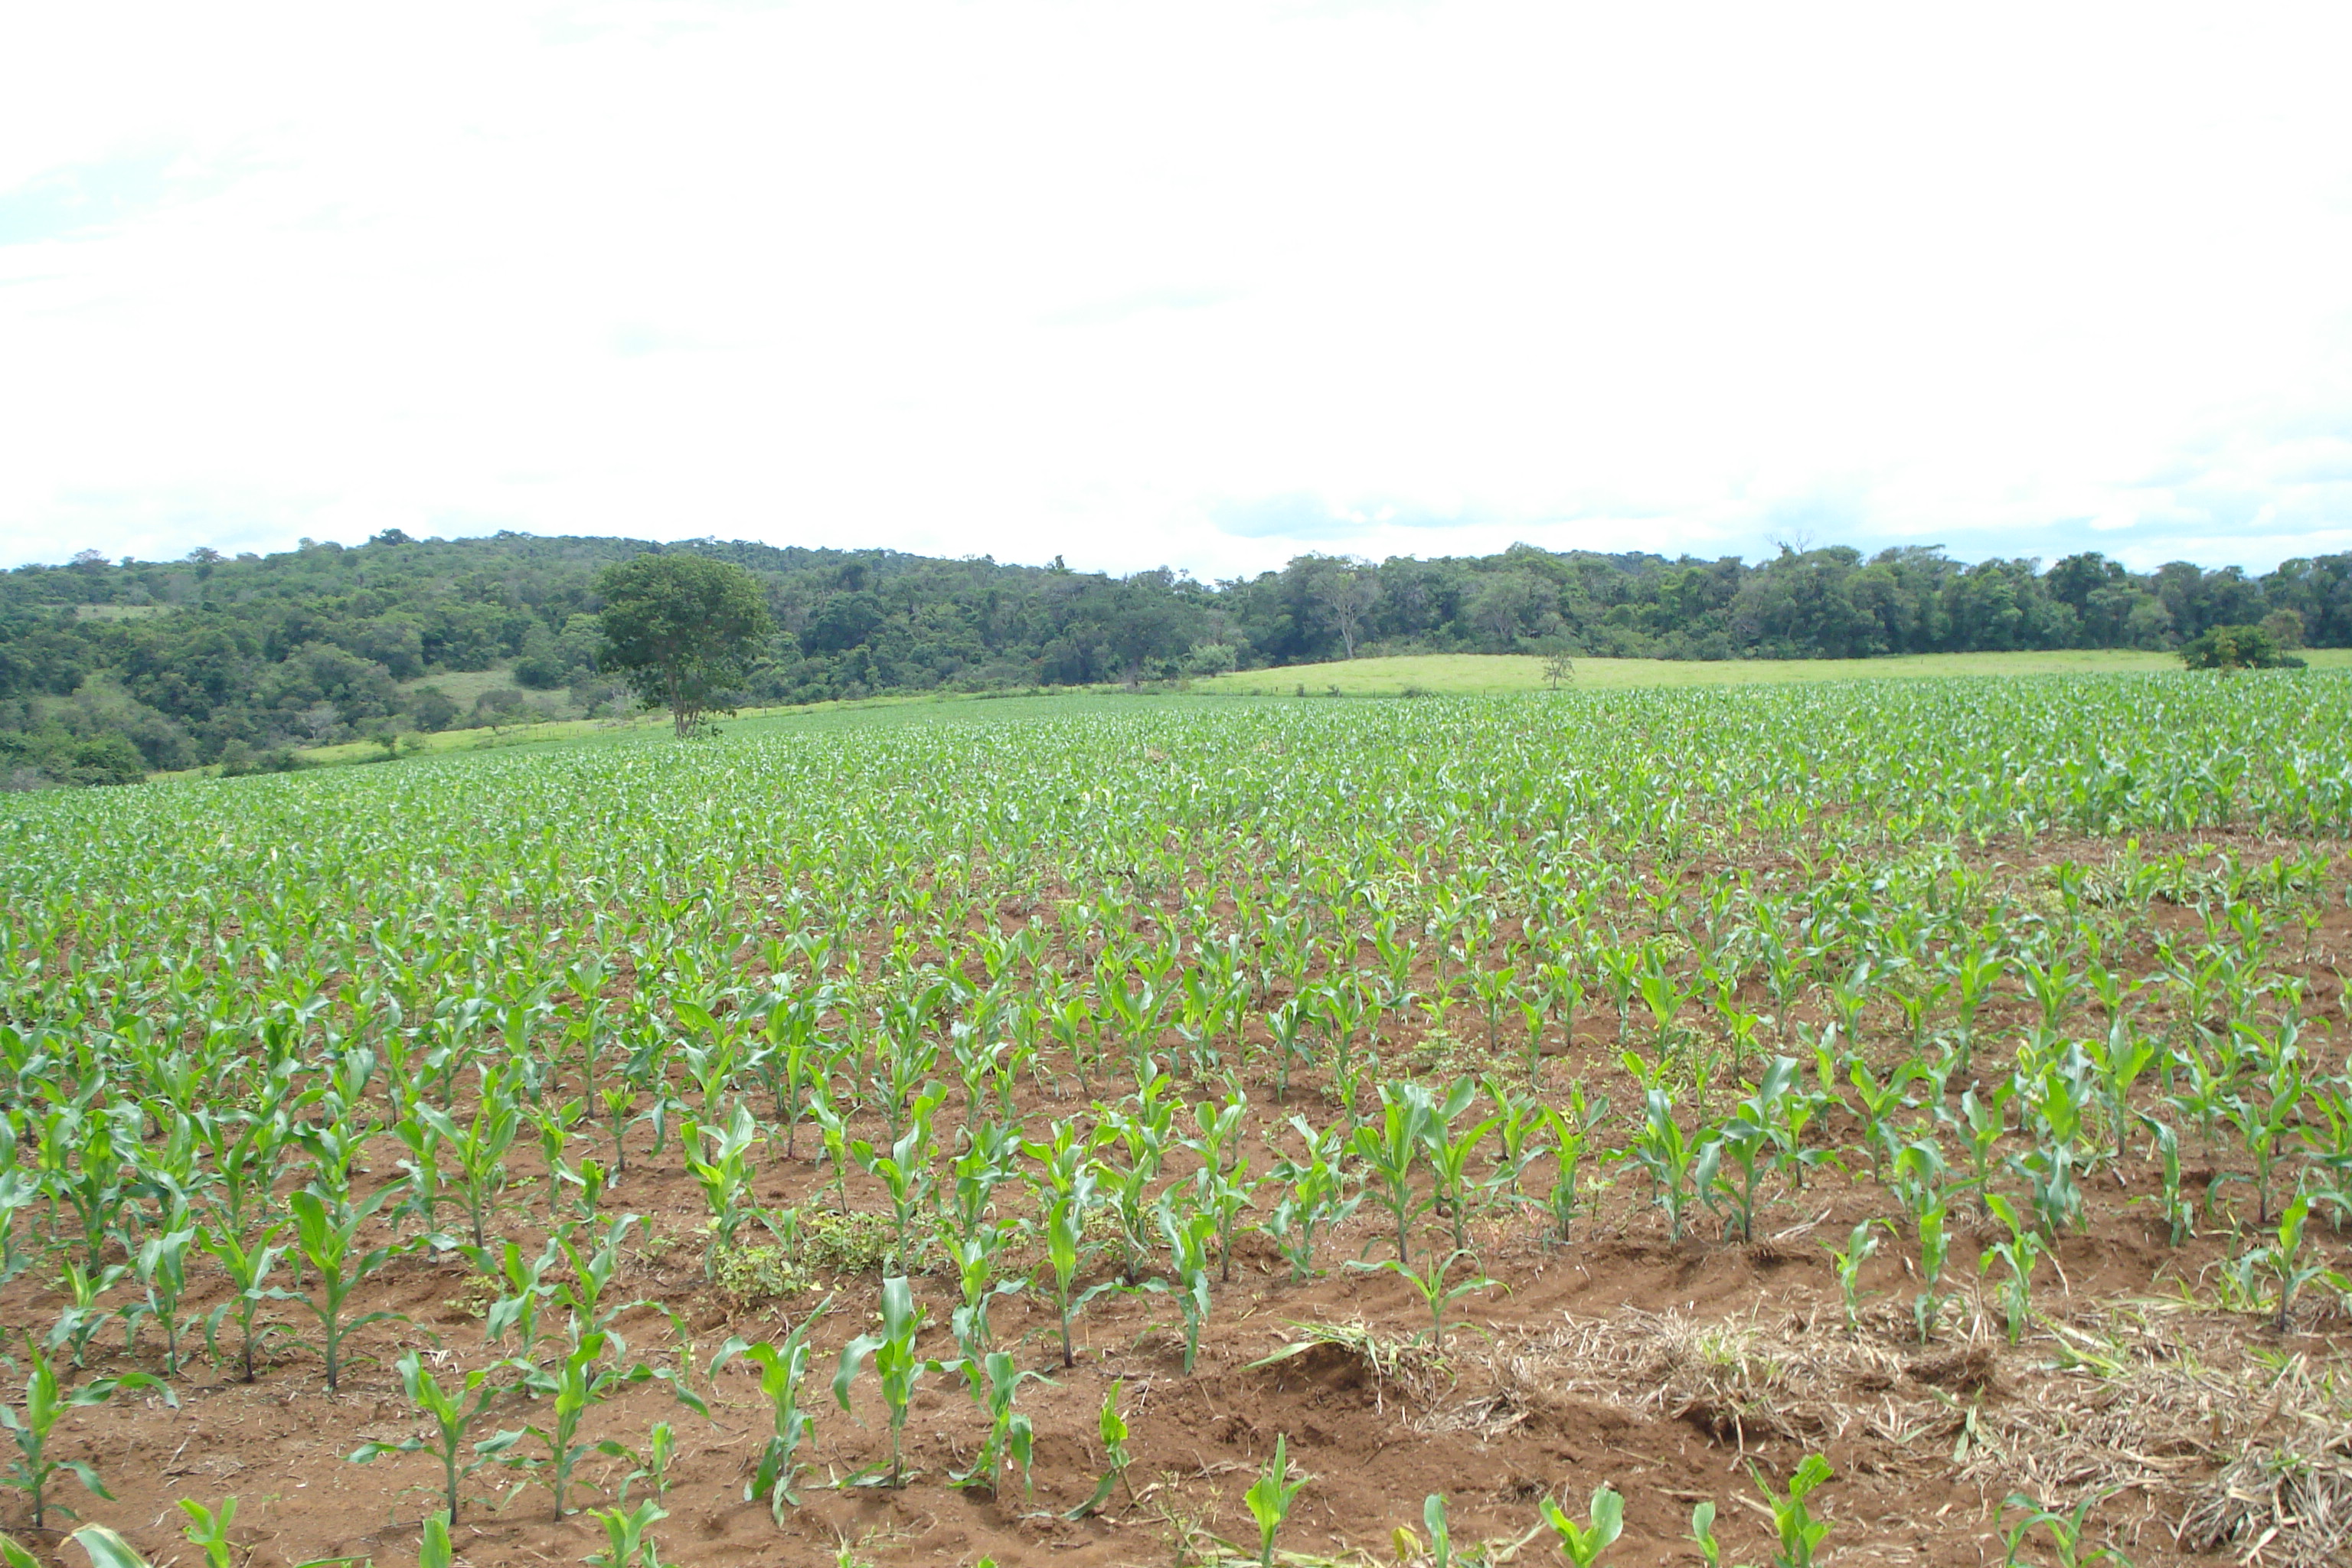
column 1204, row 284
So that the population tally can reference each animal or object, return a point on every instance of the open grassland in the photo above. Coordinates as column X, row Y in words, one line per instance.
column 1480, row 674
column 997, row 1133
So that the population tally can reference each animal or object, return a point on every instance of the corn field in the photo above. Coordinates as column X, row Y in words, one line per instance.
column 1884, row 1121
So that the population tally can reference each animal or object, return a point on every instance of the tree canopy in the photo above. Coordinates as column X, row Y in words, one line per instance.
column 683, row 631
column 216, row 658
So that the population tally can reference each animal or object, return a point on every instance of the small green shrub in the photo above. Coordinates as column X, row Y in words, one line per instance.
column 829, row 1242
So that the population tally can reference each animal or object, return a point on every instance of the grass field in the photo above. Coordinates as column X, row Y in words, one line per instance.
column 1474, row 674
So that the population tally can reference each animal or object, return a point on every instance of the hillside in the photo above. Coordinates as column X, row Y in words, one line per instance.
column 111, row 669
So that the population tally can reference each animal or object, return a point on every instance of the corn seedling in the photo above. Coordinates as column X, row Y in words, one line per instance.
column 781, row 1369
column 452, row 1414
column 1800, row 1534
column 896, row 1368
column 1435, row 1294
column 1861, row 1245
column 329, row 1244
column 162, row 1266
column 1672, row 1158
column 2019, row 1253
column 248, row 1271
column 1112, row 1427
column 1449, row 1152
column 1702, row 1534
column 719, row 1159
column 574, row 1388
column 1391, row 1147
column 1581, row 1544
column 628, row 1537
column 85, row 1315
column 2064, row 1529
column 522, row 1287
column 34, row 1469
column 1188, row 1238
column 1317, row 1198
column 993, row 1381
column 1270, row 1498
column 1570, row 1131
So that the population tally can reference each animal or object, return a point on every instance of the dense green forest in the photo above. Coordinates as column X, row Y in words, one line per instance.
column 109, row 669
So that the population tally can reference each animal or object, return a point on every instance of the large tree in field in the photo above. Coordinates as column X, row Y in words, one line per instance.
column 681, row 630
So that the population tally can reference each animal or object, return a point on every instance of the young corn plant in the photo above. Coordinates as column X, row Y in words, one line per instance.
column 19, row 1189
column 207, row 1530
column 2262, row 1121
column 2054, row 1100
column 1271, row 1497
column 1188, row 1236
column 1581, row 1544
column 583, row 1295
column 574, row 1388
column 1918, row 1171
column 2065, row 1531
column 1220, row 1187
column 1439, row 1552
column 1143, row 1139
column 2019, row 1254
column 329, row 1242
column 628, row 1537
column 993, row 1381
column 2281, row 1260
column 991, row 1158
column 719, row 1159
column 33, row 1470
column 1877, row 1106
column 248, row 1270
column 1980, row 1122
column 1571, row 1130
column 1861, row 1246
column 1449, row 1152
column 85, row 1315
column 1391, row 1147
column 978, row 1260
column 1518, row 1130
column 1702, row 1534
column 2121, row 1061
column 479, row 1150
column 905, row 1170
column 1435, row 1294
column 782, row 1367
column 161, row 1267
column 522, row 1287
column 1317, row 1198
column 452, row 1414
column 1800, row 1534
column 1112, row 1427
column 1744, row 1139
column 1672, row 1160
column 896, row 1368
column 2178, row 1212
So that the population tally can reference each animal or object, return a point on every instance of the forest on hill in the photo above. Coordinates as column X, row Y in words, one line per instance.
column 109, row 669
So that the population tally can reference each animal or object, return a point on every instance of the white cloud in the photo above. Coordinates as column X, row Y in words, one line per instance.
column 1201, row 283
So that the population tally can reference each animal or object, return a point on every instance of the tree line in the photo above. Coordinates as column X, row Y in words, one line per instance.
column 110, row 669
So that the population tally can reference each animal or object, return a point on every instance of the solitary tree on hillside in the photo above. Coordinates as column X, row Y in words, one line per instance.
column 1559, row 664
column 682, row 631
column 2226, row 648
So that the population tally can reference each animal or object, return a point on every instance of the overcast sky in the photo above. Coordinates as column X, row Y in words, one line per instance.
column 1201, row 284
